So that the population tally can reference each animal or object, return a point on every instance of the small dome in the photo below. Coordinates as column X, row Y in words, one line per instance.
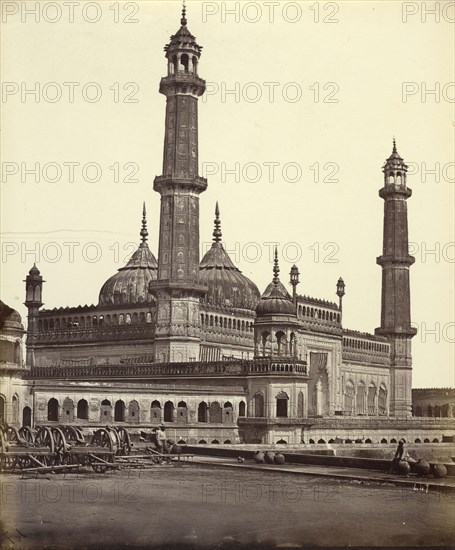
column 394, row 162
column 9, row 317
column 276, row 300
column 130, row 284
column 227, row 286
column 34, row 270
column 276, row 303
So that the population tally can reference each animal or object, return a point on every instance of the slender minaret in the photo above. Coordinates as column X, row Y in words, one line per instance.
column 177, row 289
column 396, row 303
column 33, row 302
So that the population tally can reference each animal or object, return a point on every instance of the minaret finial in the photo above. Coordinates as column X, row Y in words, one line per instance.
column 394, row 145
column 276, row 269
column 183, row 21
column 144, row 233
column 217, row 230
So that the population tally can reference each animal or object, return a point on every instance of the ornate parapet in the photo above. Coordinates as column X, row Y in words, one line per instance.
column 361, row 347
column 244, row 368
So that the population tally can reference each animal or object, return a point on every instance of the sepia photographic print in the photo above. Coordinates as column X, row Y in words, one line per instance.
column 227, row 274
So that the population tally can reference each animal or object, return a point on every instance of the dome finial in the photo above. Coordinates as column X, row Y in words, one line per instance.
column 276, row 268
column 144, row 233
column 183, row 21
column 217, row 230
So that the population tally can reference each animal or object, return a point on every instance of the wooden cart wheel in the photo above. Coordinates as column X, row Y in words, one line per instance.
column 44, row 438
column 124, row 442
column 28, row 434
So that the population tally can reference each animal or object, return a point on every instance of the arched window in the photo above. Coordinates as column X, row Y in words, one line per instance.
column 282, row 405
column 15, row 410
column 119, row 411
column 430, row 411
column 133, row 411
column 82, row 409
column 300, row 405
column 216, row 415
column 121, row 319
column 68, row 410
column 202, row 412
column 105, row 411
column 17, row 353
column 182, row 412
column 418, row 411
column 149, row 317
column 382, row 400
column 361, row 396
column 184, row 60
column 155, row 412
column 27, row 417
column 2, row 410
column 259, row 405
column 228, row 412
column 371, row 399
column 242, row 408
column 349, row 397
column 52, row 410
column 169, row 411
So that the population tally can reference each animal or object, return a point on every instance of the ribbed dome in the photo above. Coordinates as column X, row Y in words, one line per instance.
column 276, row 303
column 9, row 317
column 130, row 284
column 227, row 286
column 276, row 300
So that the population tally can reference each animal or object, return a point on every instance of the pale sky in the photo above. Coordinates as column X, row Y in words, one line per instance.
column 317, row 93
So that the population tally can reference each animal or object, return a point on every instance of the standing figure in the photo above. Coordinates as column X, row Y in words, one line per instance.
column 398, row 456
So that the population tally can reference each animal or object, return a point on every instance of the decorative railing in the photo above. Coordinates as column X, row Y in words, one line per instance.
column 96, row 334
column 233, row 367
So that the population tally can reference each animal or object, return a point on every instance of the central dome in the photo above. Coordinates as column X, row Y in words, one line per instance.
column 227, row 286
column 130, row 284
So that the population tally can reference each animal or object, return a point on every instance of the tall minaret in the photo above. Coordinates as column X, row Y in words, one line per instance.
column 33, row 302
column 396, row 303
column 177, row 289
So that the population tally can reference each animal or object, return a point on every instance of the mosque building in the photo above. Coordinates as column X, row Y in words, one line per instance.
column 193, row 344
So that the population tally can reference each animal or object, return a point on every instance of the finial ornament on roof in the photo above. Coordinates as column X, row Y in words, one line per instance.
column 276, row 268
column 217, row 230
column 183, row 21
column 394, row 145
column 144, row 233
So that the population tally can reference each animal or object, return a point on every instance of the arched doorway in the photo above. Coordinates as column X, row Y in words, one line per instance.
column 169, row 411
column 27, row 417
column 259, row 405
column 282, row 400
column 52, row 410
column 106, row 411
column 2, row 410
column 119, row 411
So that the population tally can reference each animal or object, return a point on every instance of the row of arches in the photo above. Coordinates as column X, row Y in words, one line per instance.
column 365, row 345
column 384, row 440
column 13, row 419
column 360, row 400
column 325, row 315
column 226, row 322
column 89, row 321
column 278, row 344
column 282, row 408
column 435, row 411
column 182, row 63
column 120, row 412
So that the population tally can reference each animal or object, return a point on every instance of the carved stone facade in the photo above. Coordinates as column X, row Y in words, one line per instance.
column 194, row 344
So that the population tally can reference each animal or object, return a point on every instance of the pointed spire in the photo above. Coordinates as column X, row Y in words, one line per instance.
column 276, row 269
column 394, row 150
column 144, row 233
column 217, row 230
column 183, row 21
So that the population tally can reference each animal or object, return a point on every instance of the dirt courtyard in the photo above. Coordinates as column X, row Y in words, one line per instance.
column 203, row 505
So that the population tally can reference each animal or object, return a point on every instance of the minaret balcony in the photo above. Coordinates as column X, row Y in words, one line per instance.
column 391, row 189
column 171, row 183
column 182, row 82
column 403, row 261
